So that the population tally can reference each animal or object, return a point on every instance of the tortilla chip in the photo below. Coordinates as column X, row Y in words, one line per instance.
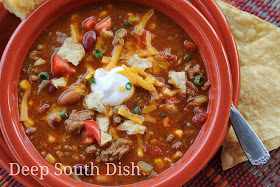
column 233, row 153
column 246, row 28
column 264, row 51
column 21, row 8
column 259, row 105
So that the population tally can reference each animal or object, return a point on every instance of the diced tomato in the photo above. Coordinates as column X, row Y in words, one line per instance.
column 182, row 97
column 169, row 58
column 104, row 24
column 88, row 140
column 190, row 45
column 61, row 67
column 140, row 39
column 166, row 122
column 92, row 130
column 173, row 101
column 153, row 150
column 90, row 22
column 164, row 87
column 200, row 116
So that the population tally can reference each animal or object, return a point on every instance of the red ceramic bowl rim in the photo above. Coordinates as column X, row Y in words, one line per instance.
column 206, row 144
column 218, row 21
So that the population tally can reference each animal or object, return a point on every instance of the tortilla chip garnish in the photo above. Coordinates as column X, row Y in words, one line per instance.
column 259, row 105
column 264, row 51
column 245, row 27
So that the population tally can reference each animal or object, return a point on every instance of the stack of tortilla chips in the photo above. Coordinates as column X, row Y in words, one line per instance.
column 258, row 45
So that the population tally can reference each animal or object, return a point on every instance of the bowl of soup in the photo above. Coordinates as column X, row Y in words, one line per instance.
column 114, row 93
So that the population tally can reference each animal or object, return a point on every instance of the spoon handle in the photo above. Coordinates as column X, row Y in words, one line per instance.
column 251, row 144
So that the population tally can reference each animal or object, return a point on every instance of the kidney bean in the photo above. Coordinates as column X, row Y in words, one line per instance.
column 89, row 40
column 44, row 108
column 69, row 97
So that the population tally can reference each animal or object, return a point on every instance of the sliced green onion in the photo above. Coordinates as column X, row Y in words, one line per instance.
column 198, row 80
column 137, row 110
column 127, row 23
column 44, row 75
column 128, row 86
column 163, row 115
column 98, row 53
column 92, row 81
column 63, row 114
column 187, row 58
column 115, row 27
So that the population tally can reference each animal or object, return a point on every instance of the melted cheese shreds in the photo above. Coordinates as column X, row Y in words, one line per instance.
column 149, row 108
column 135, row 78
column 148, row 40
column 143, row 22
column 131, row 128
column 115, row 57
column 75, row 32
column 127, row 114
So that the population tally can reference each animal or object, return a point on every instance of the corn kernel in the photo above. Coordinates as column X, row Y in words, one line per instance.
column 50, row 159
column 24, row 84
column 90, row 73
column 140, row 153
column 103, row 13
column 159, row 163
column 179, row 133
column 28, row 123
column 30, row 103
column 51, row 139
column 121, row 88
column 167, row 160
column 177, row 155
column 110, row 112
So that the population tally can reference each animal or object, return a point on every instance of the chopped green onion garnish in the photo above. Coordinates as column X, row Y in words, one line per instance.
column 163, row 115
column 187, row 58
column 137, row 110
column 198, row 80
column 127, row 23
column 44, row 75
column 91, row 81
column 128, row 86
column 98, row 53
column 63, row 114
column 115, row 27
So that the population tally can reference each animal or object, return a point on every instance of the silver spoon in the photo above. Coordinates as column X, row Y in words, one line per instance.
column 250, row 142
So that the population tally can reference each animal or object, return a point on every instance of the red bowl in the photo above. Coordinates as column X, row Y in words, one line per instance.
column 210, row 137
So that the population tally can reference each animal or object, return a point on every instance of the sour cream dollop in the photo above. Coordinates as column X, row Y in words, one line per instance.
column 108, row 85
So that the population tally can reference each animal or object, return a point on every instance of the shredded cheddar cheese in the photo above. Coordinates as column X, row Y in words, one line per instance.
column 149, row 108
column 133, row 117
column 115, row 57
column 75, row 32
column 143, row 22
column 134, row 77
